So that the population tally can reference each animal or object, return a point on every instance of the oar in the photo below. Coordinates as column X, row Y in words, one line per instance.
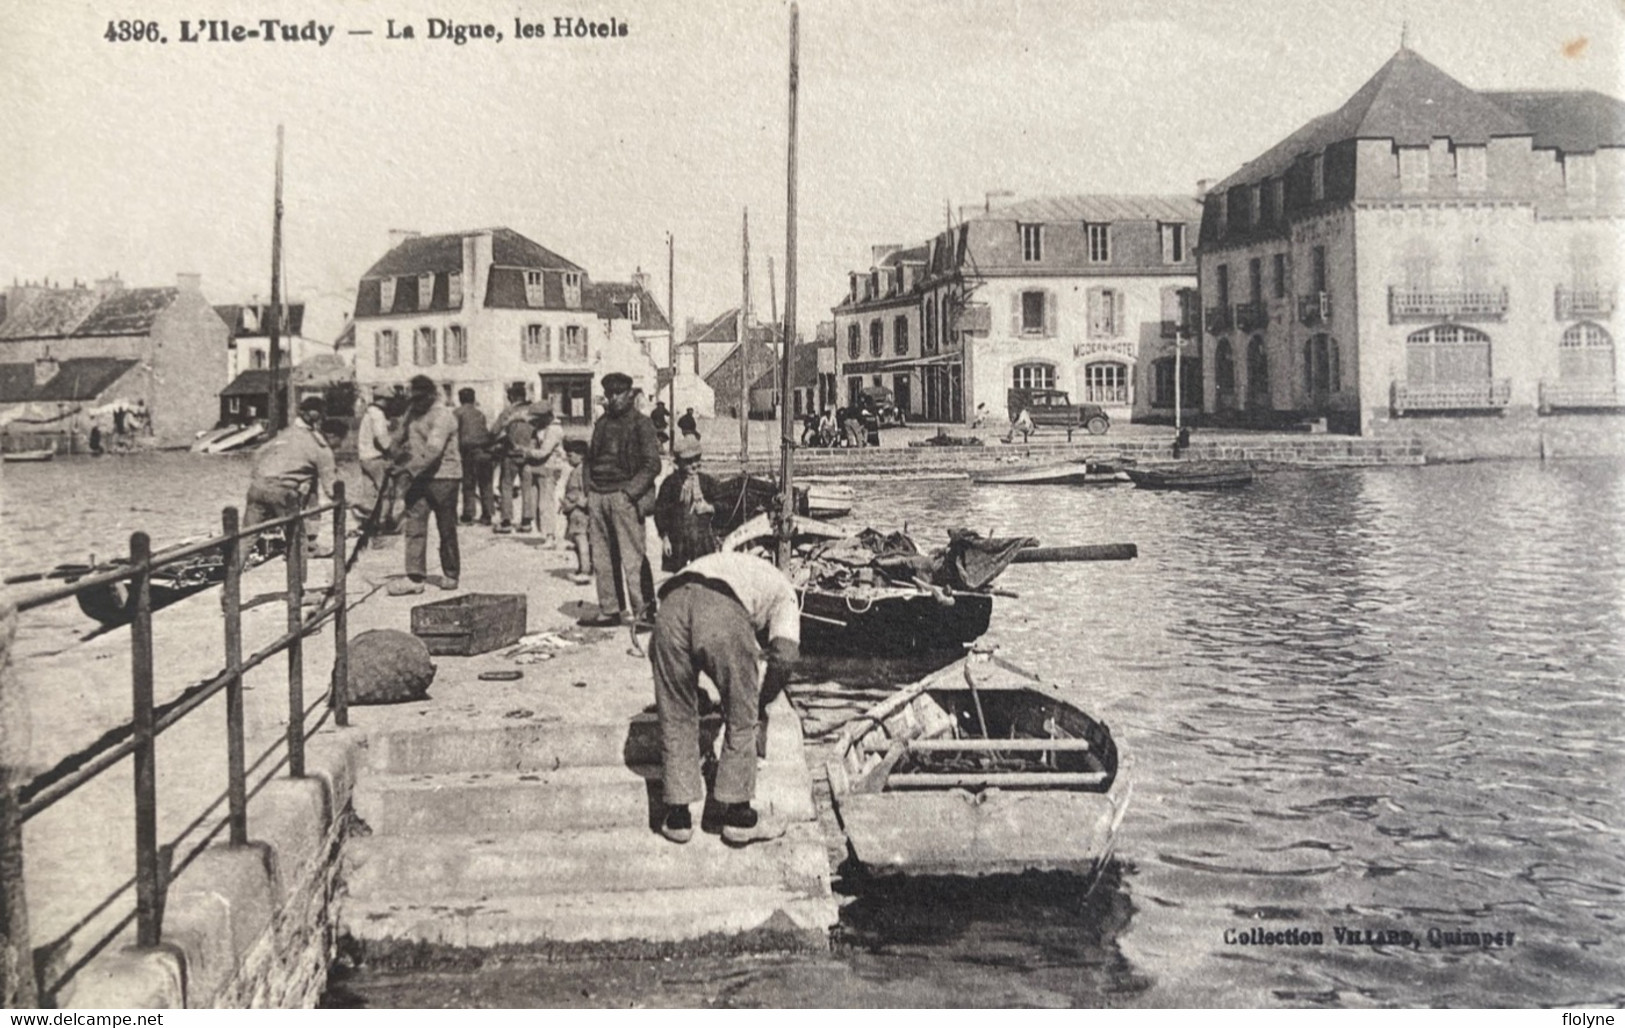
column 1056, row 554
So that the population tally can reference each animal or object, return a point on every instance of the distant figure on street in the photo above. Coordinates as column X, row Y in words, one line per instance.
column 433, row 476
column 1182, row 441
column 1024, row 425
column 510, row 433
column 118, row 421
column 96, row 439
column 687, row 425
column 980, row 417
column 544, row 458
column 661, row 417
column 684, row 507
column 574, row 509
column 715, row 615
column 375, row 444
column 474, row 445
column 623, row 461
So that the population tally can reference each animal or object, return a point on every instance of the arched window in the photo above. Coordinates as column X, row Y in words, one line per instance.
column 1224, row 367
column 1033, row 375
column 854, row 341
column 877, row 338
column 1586, row 352
column 1258, row 371
column 1445, row 354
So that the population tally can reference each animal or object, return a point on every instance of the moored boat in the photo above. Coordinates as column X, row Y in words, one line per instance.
column 29, row 456
column 1074, row 472
column 829, row 499
column 110, row 603
column 235, row 439
column 1192, row 475
column 980, row 768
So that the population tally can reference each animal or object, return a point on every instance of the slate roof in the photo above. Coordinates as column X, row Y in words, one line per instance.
column 49, row 313
column 914, row 254
column 611, row 299
column 257, row 382
column 724, row 378
column 424, row 254
column 724, row 329
column 1411, row 101
column 232, row 315
column 1095, row 208
column 1573, row 121
column 128, row 312
column 77, row 379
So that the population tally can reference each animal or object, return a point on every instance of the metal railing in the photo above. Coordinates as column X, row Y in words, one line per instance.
column 1584, row 303
column 1315, row 308
column 138, row 737
column 1218, row 319
column 1488, row 394
column 1581, row 393
column 1405, row 303
column 1249, row 316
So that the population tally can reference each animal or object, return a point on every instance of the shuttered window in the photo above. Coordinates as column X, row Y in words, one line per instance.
column 877, row 338
column 386, row 295
column 575, row 344
column 423, row 349
column 425, row 291
column 386, row 354
column 456, row 345
column 1105, row 313
column 535, row 289
column 537, row 344
column 454, row 290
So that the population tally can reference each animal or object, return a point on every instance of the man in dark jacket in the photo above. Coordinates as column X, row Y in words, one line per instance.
column 474, row 442
column 623, row 461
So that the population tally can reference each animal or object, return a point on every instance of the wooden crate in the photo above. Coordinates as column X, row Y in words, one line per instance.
column 471, row 623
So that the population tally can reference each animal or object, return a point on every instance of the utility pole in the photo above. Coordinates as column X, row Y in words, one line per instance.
column 773, row 313
column 787, row 506
column 671, row 321
column 275, row 413
column 743, row 335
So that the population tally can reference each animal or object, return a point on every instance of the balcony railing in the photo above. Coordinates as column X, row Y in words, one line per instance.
column 1250, row 316
column 1218, row 318
column 1486, row 394
column 1593, row 393
column 1468, row 304
column 1175, row 329
column 1315, row 308
column 1585, row 303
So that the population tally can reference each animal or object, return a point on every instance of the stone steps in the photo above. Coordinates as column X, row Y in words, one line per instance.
column 541, row 832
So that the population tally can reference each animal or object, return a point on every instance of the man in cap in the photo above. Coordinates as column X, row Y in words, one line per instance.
column 375, row 449
column 623, row 461
column 684, row 506
column 511, row 434
column 295, row 466
column 474, row 446
column 715, row 616
column 433, row 475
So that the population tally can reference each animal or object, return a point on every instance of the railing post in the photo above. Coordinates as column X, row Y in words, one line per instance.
column 18, row 987
column 231, row 603
column 339, row 695
column 148, row 886
column 295, row 535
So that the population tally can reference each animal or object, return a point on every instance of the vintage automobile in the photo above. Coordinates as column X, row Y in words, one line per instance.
column 878, row 401
column 1055, row 407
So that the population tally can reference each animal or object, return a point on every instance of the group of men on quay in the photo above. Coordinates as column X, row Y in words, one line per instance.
column 717, row 613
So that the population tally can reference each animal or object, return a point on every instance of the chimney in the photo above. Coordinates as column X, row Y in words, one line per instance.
column 108, row 286
column 1202, row 186
column 189, row 282
column 994, row 199
column 478, row 251
column 397, row 236
column 640, row 280
column 45, row 369
column 879, row 253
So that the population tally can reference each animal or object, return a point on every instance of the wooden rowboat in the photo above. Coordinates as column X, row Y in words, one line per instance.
column 1075, row 472
column 1192, row 475
column 979, row 769
column 29, row 456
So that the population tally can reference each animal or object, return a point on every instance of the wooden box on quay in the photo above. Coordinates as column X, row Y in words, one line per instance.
column 469, row 624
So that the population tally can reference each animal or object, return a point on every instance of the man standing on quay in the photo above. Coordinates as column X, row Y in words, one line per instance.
column 434, row 475
column 623, row 461
column 474, row 445
column 374, row 450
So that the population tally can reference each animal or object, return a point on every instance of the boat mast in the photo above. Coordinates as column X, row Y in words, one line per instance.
column 743, row 335
column 786, row 435
column 276, row 293
column 671, row 326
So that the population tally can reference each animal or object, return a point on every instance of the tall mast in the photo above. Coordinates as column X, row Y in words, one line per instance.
column 786, row 435
column 743, row 335
column 276, row 293
column 671, row 322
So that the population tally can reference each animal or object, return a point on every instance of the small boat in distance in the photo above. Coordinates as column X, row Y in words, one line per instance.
column 1192, row 475
column 234, row 439
column 30, row 456
column 980, row 768
column 828, row 499
column 1073, row 472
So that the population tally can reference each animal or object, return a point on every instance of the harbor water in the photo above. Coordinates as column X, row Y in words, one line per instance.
column 1375, row 718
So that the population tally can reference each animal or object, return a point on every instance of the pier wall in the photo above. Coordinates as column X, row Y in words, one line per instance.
column 250, row 926
column 1515, row 434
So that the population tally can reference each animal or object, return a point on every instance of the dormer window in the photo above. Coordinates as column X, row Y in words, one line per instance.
column 1413, row 169
column 1173, row 243
column 1255, row 203
column 1472, row 169
column 1032, row 242
column 454, row 290
column 1277, row 200
column 535, row 292
column 852, row 282
column 634, row 309
column 1580, row 174
column 874, row 285
column 1100, row 243
column 572, row 289
column 1317, row 178
column 386, row 295
column 425, row 291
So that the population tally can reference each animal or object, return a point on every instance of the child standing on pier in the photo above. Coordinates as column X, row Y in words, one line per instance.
column 574, row 509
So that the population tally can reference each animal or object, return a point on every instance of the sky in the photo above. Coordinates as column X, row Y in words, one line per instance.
column 148, row 159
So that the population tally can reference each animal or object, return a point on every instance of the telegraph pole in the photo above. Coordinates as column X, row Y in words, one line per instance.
column 275, row 413
column 671, row 320
column 786, row 434
column 743, row 335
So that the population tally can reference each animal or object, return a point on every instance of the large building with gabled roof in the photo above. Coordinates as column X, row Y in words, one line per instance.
column 1426, row 250
column 488, row 308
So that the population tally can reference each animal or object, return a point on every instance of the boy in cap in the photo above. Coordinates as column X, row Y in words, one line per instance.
column 684, row 506
column 623, row 461
column 574, row 509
